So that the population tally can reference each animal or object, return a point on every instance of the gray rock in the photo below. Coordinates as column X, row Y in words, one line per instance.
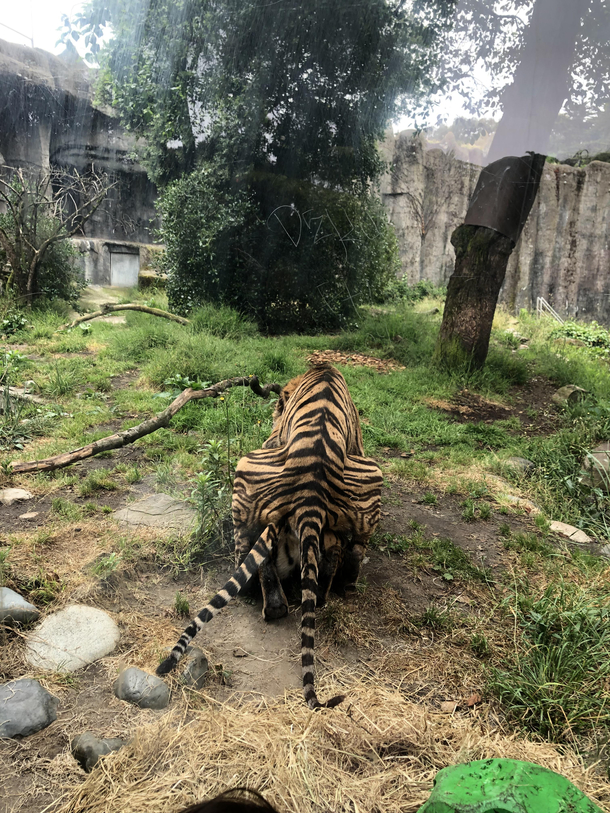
column 520, row 464
column 87, row 749
column 72, row 638
column 196, row 668
column 605, row 551
column 25, row 707
column 144, row 690
column 570, row 394
column 160, row 511
column 14, row 609
column 8, row 496
column 597, row 465
column 570, row 532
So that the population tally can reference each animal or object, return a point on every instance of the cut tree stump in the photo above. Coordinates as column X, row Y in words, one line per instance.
column 128, row 436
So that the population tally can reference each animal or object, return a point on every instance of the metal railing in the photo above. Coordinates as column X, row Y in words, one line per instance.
column 542, row 306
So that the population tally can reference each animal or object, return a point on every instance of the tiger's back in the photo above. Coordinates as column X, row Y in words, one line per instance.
column 308, row 499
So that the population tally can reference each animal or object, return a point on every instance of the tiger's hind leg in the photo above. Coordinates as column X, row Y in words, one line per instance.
column 363, row 480
column 330, row 560
column 257, row 556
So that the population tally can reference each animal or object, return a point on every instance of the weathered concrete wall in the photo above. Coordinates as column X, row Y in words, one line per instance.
column 47, row 120
column 563, row 254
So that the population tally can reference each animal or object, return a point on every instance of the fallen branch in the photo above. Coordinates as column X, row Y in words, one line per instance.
column 108, row 308
column 128, row 436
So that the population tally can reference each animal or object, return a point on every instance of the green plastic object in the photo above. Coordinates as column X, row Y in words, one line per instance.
column 504, row 786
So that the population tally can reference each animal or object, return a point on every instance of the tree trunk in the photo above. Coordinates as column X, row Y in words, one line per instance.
column 482, row 255
column 498, row 210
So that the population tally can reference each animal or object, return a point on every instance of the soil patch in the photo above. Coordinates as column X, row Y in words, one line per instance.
column 354, row 360
column 531, row 404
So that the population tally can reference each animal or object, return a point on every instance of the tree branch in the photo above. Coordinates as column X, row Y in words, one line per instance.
column 160, row 420
column 108, row 307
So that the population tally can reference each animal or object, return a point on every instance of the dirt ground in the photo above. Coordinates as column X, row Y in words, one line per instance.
column 372, row 629
column 248, row 657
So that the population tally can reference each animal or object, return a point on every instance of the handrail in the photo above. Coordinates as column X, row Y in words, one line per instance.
column 542, row 306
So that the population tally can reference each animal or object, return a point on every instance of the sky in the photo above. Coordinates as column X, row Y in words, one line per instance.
column 36, row 20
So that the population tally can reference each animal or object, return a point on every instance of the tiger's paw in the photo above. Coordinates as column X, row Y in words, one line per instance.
column 167, row 665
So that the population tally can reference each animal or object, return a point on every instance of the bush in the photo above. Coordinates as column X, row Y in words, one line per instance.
column 400, row 290
column 291, row 255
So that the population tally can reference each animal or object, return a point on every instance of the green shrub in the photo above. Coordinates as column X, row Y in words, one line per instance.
column 291, row 255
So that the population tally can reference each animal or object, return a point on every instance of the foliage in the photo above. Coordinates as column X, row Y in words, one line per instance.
column 491, row 36
column 591, row 334
column 290, row 255
column 307, row 88
column 400, row 290
column 11, row 321
column 558, row 686
column 41, row 212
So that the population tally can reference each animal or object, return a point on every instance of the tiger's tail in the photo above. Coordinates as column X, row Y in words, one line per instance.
column 259, row 553
column 310, row 547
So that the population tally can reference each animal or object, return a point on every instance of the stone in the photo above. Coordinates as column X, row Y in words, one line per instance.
column 520, row 502
column 8, row 496
column 570, row 532
column 520, row 464
column 605, row 551
column 159, row 511
column 25, row 708
column 87, row 749
column 72, row 638
column 143, row 690
column 597, row 466
column 29, row 515
column 570, row 394
column 196, row 668
column 14, row 609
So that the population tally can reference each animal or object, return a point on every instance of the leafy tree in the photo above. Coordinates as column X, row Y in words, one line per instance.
column 41, row 212
column 266, row 117
column 302, row 89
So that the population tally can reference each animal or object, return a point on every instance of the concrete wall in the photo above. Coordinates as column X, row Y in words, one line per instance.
column 47, row 120
column 563, row 254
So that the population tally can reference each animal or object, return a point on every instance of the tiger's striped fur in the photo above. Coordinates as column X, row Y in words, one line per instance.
column 308, row 498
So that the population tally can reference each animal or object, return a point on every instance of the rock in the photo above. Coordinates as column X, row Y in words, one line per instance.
column 14, row 609
column 196, row 668
column 520, row 464
column 29, row 515
column 597, row 464
column 159, row 510
column 25, row 707
column 605, row 551
column 570, row 532
column 575, row 342
column 72, row 638
column 144, row 690
column 570, row 394
column 87, row 749
column 10, row 495
column 527, row 505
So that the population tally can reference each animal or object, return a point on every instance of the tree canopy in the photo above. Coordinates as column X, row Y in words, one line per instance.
column 300, row 89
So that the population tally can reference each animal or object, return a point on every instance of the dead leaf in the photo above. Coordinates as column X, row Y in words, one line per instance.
column 449, row 706
column 473, row 700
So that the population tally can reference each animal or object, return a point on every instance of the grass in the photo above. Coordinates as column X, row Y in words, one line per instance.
column 436, row 554
column 558, row 683
column 201, row 446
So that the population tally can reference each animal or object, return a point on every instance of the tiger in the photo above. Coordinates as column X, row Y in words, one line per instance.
column 308, row 499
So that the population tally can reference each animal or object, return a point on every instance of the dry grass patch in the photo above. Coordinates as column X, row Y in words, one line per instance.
column 375, row 752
